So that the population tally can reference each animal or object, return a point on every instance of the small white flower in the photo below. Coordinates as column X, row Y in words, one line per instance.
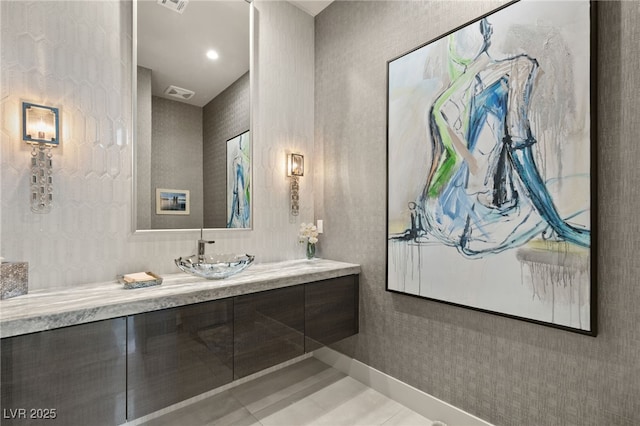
column 308, row 233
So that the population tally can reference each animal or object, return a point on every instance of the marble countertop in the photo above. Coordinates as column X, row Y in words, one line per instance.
column 48, row 309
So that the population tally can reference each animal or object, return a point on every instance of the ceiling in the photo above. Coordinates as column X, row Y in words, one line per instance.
column 174, row 46
column 312, row 7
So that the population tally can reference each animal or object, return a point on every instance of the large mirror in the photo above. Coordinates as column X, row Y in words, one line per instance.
column 192, row 141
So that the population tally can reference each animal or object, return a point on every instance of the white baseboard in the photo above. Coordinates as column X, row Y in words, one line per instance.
column 413, row 398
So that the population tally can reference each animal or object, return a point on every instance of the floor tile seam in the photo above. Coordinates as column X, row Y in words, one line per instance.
column 400, row 412
column 246, row 414
column 384, row 400
column 195, row 407
column 296, row 397
column 268, row 384
column 397, row 410
column 326, row 418
column 298, row 389
column 410, row 411
column 346, row 379
column 276, row 378
column 263, row 415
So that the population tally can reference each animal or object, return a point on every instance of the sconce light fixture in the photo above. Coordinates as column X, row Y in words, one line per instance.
column 295, row 165
column 41, row 129
column 295, row 169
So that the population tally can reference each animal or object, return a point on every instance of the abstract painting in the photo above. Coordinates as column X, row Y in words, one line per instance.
column 239, row 181
column 172, row 201
column 490, row 169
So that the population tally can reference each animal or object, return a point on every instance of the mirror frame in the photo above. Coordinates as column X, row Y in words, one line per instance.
column 134, row 127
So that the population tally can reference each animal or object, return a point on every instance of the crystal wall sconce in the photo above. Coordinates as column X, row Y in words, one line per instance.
column 295, row 169
column 41, row 129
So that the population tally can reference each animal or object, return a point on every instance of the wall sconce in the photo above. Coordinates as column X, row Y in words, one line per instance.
column 41, row 129
column 295, row 169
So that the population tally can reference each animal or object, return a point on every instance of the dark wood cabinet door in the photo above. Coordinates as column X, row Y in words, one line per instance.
column 269, row 329
column 178, row 353
column 68, row 376
column 331, row 311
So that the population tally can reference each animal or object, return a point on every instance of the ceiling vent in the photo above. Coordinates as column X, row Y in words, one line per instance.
column 179, row 92
column 175, row 5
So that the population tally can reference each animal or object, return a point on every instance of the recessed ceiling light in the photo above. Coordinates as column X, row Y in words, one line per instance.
column 213, row 55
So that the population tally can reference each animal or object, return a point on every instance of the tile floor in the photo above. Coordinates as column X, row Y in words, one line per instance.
column 306, row 393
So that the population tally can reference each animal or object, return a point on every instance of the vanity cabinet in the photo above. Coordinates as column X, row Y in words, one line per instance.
column 330, row 311
column 110, row 371
column 175, row 354
column 269, row 329
column 68, row 376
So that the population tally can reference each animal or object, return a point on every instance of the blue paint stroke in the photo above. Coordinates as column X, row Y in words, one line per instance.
column 506, row 204
column 239, row 209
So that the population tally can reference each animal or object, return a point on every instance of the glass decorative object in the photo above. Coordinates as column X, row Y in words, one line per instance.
column 311, row 250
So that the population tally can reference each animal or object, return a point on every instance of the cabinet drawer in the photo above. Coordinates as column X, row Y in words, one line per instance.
column 178, row 353
column 68, row 376
column 331, row 311
column 269, row 329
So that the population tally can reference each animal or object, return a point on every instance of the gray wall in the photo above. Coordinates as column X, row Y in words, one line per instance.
column 176, row 156
column 143, row 149
column 226, row 116
column 506, row 371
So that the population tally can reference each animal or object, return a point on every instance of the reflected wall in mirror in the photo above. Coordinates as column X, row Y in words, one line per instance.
column 189, row 109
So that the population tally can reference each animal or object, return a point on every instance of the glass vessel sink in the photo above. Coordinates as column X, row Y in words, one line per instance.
column 214, row 267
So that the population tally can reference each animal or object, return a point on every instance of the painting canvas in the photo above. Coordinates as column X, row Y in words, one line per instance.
column 490, row 168
column 172, row 201
column 239, row 181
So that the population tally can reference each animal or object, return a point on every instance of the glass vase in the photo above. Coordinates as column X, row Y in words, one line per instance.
column 311, row 250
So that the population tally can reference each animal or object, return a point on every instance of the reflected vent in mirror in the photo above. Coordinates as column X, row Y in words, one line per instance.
column 179, row 92
column 175, row 5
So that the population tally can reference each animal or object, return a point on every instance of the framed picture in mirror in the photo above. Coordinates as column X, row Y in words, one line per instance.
column 239, row 181
column 172, row 201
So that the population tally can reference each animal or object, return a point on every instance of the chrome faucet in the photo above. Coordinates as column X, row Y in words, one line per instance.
column 201, row 243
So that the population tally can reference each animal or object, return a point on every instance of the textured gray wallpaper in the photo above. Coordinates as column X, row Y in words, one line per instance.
column 506, row 371
column 143, row 149
column 226, row 116
column 176, row 156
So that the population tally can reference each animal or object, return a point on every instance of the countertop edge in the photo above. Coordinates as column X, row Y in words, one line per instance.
column 189, row 294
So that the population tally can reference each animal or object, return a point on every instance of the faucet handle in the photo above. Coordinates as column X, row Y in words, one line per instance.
column 202, row 240
column 201, row 244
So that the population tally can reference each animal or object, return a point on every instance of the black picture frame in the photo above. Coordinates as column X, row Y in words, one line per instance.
column 425, row 235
